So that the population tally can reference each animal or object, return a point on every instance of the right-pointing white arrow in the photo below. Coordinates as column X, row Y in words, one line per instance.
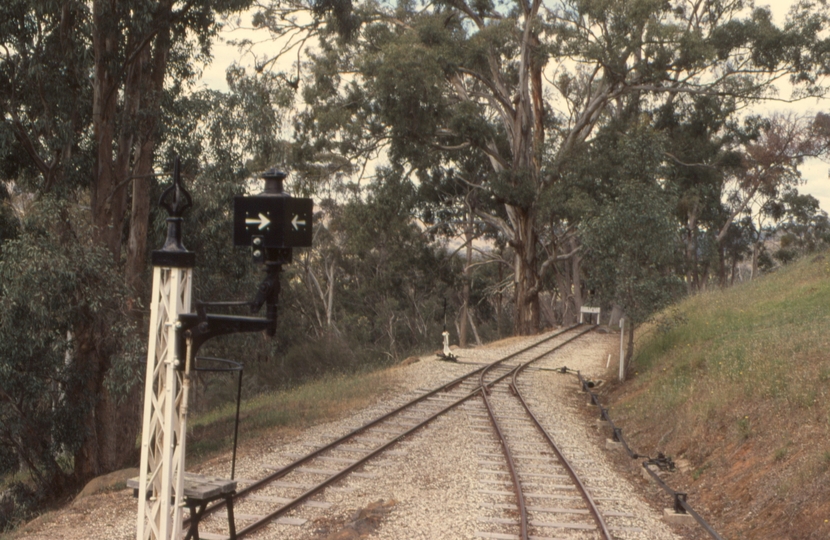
column 296, row 222
column 262, row 222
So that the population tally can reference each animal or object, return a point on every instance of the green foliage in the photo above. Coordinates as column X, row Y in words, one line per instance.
column 66, row 293
column 393, row 280
column 779, row 320
column 441, row 86
column 632, row 240
column 804, row 228
column 45, row 93
column 18, row 503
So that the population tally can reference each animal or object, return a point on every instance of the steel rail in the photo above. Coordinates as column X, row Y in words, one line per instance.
column 505, row 448
column 568, row 467
column 334, row 478
column 511, row 465
column 276, row 475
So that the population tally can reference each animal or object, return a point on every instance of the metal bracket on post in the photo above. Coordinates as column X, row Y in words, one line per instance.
column 271, row 224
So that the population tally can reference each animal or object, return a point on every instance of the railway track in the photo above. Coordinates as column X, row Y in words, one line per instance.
column 294, row 485
column 536, row 487
column 546, row 496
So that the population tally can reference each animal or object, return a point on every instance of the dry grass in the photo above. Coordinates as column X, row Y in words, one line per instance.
column 323, row 400
column 737, row 381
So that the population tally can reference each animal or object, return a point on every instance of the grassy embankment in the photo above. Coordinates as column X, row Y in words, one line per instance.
column 737, row 383
column 278, row 413
column 283, row 412
column 270, row 417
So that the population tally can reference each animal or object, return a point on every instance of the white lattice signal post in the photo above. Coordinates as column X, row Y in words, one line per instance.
column 272, row 224
column 161, row 476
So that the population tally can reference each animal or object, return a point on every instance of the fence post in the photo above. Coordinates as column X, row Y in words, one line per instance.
column 622, row 349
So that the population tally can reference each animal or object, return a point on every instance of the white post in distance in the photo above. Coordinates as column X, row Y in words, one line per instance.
column 591, row 311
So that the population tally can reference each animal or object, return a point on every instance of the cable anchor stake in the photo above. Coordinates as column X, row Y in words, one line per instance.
column 679, row 499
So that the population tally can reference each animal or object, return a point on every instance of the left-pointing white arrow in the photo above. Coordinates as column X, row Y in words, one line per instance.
column 296, row 222
column 262, row 221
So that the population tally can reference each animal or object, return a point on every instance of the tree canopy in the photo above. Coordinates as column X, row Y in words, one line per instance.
column 522, row 89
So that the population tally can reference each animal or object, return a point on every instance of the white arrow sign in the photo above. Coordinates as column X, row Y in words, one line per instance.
column 262, row 221
column 296, row 221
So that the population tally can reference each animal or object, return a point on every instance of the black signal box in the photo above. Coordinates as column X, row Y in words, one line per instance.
column 280, row 221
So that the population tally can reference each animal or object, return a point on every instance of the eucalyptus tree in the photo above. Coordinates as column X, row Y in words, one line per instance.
column 768, row 173
column 83, row 84
column 392, row 277
column 802, row 226
column 524, row 85
column 632, row 242
column 701, row 150
column 447, row 205
column 57, row 285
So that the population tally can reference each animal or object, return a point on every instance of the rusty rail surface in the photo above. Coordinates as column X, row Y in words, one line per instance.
column 568, row 467
column 511, row 465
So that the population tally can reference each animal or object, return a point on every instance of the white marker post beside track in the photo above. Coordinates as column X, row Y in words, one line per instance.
column 622, row 353
column 161, row 474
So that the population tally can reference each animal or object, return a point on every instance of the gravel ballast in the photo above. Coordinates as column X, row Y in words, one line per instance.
column 431, row 486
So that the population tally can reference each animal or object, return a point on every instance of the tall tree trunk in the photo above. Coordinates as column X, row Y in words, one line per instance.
column 89, row 461
column 569, row 283
column 499, row 301
column 465, row 279
column 576, row 278
column 526, row 278
column 153, row 68
column 756, row 252
column 691, row 249
column 629, row 352
column 527, row 144
column 331, row 269
column 105, row 41
column 139, row 220
column 473, row 326
column 85, row 390
column 113, row 422
column 563, row 286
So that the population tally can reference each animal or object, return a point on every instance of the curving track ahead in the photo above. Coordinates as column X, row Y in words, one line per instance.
column 268, row 499
column 530, row 465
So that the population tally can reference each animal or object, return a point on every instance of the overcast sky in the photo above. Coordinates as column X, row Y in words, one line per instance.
column 815, row 172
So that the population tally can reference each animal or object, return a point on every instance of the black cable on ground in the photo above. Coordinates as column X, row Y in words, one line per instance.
column 661, row 462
